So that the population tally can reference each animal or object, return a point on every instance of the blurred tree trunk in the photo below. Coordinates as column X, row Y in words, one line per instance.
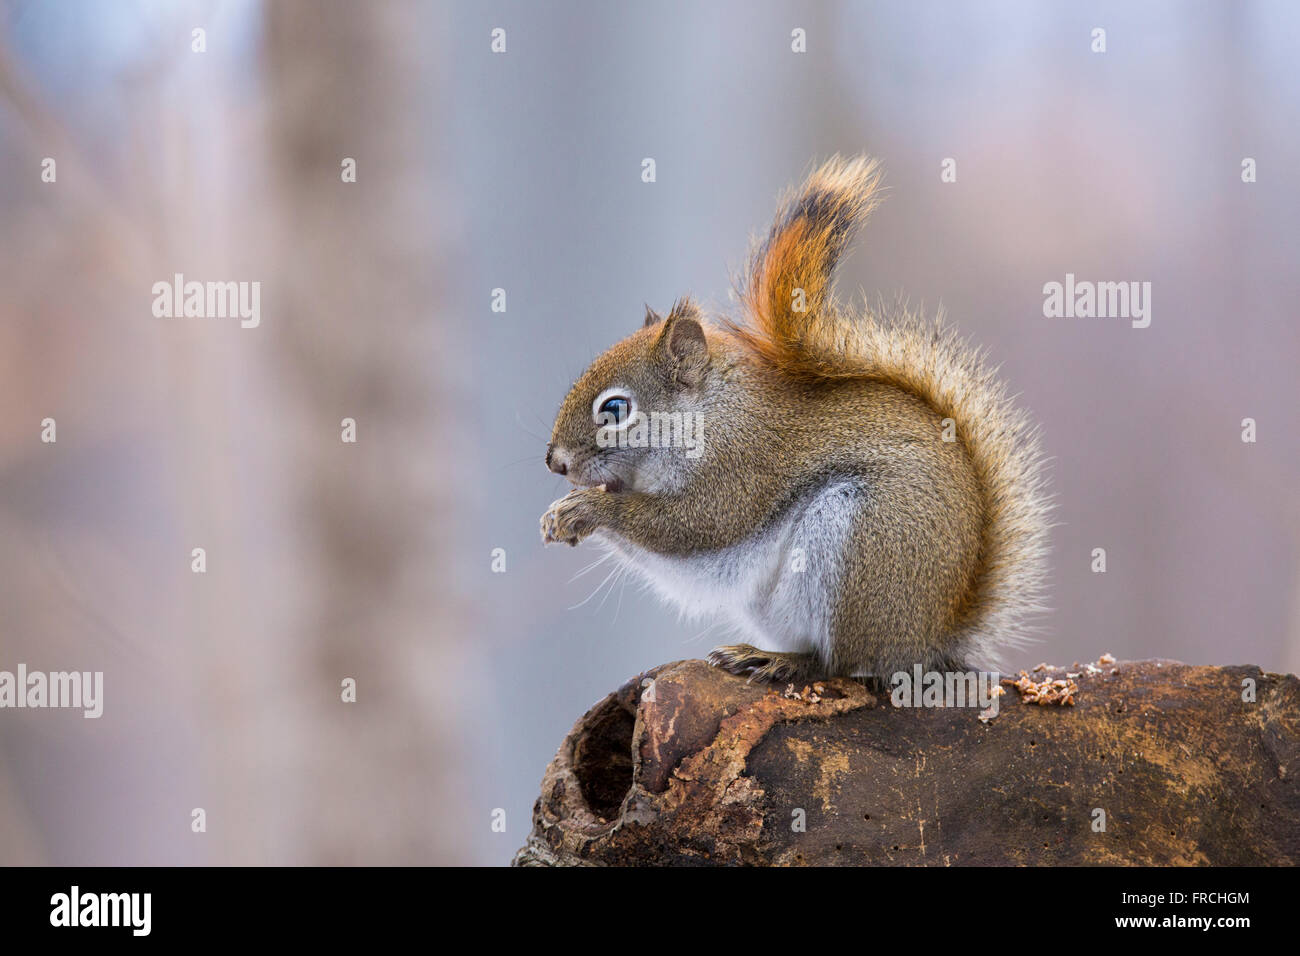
column 355, row 325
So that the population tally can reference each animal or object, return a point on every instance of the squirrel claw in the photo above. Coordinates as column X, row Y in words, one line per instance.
column 760, row 667
column 566, row 521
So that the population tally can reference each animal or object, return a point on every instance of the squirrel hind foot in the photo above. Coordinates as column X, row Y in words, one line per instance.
column 764, row 667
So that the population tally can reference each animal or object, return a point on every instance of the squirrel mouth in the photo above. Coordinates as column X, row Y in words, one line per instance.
column 612, row 484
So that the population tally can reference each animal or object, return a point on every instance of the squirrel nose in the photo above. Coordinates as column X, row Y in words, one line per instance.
column 557, row 463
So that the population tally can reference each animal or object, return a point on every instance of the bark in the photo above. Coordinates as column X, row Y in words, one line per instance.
column 713, row 770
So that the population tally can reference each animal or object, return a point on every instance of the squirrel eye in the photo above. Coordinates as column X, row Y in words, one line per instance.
column 615, row 409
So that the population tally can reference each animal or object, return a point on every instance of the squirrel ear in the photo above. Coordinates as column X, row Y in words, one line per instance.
column 651, row 316
column 683, row 341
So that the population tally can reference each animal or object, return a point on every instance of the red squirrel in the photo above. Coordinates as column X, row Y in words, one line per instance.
column 861, row 495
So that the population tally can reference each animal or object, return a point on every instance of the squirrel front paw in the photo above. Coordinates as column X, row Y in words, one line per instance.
column 572, row 518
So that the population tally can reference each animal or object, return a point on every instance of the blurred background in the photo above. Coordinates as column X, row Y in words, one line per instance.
column 521, row 171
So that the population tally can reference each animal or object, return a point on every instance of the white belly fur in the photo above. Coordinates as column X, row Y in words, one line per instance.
column 754, row 585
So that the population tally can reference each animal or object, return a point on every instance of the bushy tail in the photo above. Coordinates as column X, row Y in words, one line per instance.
column 787, row 287
column 920, row 356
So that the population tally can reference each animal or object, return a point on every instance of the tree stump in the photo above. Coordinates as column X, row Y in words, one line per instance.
column 1154, row 763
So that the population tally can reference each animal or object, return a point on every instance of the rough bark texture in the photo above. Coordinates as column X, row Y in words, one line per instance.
column 707, row 769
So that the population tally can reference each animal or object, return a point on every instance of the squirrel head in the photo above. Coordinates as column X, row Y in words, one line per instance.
column 632, row 419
